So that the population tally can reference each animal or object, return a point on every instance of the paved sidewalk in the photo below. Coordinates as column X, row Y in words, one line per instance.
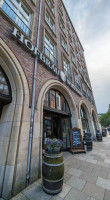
column 87, row 177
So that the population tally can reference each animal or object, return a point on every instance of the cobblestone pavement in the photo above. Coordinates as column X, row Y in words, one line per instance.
column 87, row 177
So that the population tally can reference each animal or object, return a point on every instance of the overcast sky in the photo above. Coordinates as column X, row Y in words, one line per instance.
column 91, row 20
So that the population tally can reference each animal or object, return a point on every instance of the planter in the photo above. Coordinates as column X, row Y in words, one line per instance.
column 54, row 151
column 53, row 173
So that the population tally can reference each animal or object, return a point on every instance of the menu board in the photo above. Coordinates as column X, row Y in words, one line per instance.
column 76, row 140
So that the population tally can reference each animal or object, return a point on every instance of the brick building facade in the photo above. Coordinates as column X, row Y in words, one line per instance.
column 63, row 93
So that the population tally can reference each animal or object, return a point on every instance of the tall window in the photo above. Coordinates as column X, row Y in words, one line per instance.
column 73, row 58
column 64, row 44
column 77, row 81
column 19, row 14
column 84, row 119
column 50, row 4
column 50, row 50
column 5, row 90
column 55, row 100
column 50, row 22
column 66, row 67
column 84, row 88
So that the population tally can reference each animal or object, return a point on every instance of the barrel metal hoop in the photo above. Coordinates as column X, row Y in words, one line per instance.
column 52, row 165
column 52, row 191
column 53, row 155
column 53, row 181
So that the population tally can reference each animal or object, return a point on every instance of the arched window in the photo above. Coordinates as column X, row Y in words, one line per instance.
column 84, row 119
column 5, row 90
column 55, row 100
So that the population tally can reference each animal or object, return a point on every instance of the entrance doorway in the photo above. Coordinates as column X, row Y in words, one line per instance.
column 56, row 118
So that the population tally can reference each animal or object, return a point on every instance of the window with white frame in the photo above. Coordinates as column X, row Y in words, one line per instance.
column 50, row 49
column 51, row 6
column 50, row 22
column 73, row 58
column 77, row 81
column 64, row 44
column 66, row 67
column 84, row 88
column 18, row 12
column 62, row 26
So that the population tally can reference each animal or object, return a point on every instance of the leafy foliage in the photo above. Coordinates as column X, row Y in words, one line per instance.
column 105, row 119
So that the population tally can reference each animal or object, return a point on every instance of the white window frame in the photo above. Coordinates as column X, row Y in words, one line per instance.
column 48, row 47
column 51, row 6
column 18, row 11
column 64, row 44
column 50, row 22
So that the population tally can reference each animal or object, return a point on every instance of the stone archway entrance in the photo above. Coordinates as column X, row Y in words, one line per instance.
column 56, row 117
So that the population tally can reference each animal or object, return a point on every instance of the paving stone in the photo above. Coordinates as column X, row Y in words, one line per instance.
column 94, row 191
column 104, row 183
column 66, row 177
column 75, row 172
column 55, row 198
column 90, row 177
column 64, row 192
column 76, row 195
column 36, row 192
column 91, row 161
column 107, row 195
column 102, row 164
column 76, row 183
column 107, row 161
column 20, row 196
column 100, row 172
column 92, row 198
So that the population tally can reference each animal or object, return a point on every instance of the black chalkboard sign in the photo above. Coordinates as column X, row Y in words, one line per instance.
column 76, row 138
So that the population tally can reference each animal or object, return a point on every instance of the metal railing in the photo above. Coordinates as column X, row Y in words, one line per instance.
column 52, row 58
column 15, row 18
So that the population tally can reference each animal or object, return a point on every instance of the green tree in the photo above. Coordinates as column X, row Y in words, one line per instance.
column 105, row 119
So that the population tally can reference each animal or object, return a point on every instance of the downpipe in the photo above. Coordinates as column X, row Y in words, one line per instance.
column 28, row 170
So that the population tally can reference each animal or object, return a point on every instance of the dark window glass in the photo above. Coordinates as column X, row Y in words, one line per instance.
column 46, row 101
column 58, row 101
column 52, row 98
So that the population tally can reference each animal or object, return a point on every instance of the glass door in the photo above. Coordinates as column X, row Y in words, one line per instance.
column 65, row 130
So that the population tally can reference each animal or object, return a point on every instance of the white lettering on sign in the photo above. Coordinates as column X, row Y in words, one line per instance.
column 35, row 52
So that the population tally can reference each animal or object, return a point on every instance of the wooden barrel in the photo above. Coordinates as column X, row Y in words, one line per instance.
column 53, row 173
column 89, row 145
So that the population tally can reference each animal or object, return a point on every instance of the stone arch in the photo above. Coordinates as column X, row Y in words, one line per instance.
column 94, row 117
column 40, row 101
column 83, row 103
column 13, row 121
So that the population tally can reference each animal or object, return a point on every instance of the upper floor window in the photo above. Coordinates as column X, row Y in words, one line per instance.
column 84, row 88
column 19, row 14
column 77, row 81
column 64, row 44
column 73, row 58
column 66, row 67
column 50, row 22
column 51, row 6
column 50, row 49
column 62, row 26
